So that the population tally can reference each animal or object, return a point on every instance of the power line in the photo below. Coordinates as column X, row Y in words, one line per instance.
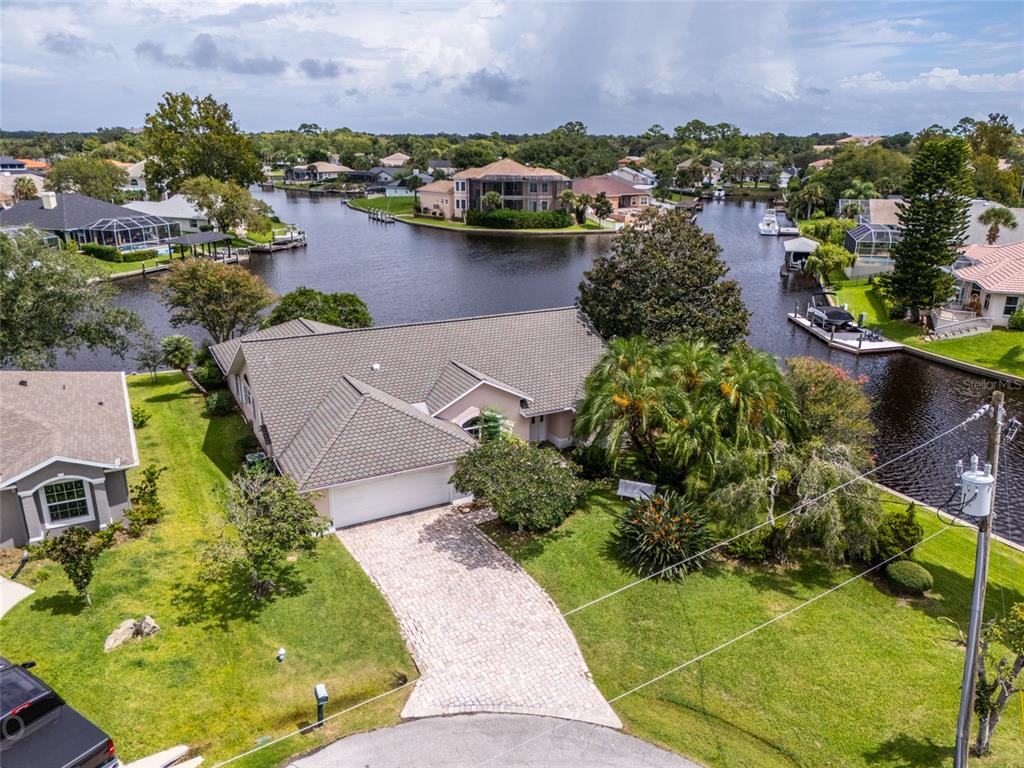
column 722, row 646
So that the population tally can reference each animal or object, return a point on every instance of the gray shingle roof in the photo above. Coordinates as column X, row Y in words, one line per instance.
column 224, row 352
column 323, row 435
column 80, row 415
column 73, row 211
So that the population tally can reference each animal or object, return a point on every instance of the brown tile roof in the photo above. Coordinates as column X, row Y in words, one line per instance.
column 509, row 167
column 611, row 185
column 444, row 185
column 77, row 415
column 33, row 165
column 996, row 268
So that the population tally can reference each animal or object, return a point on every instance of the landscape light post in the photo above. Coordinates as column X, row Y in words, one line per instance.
column 979, row 500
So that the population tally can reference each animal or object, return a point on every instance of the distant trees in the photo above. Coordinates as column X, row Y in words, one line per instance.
column 186, row 137
column 51, row 302
column 87, row 176
column 664, row 277
column 345, row 310
column 995, row 218
column 227, row 204
column 224, row 299
column 473, row 153
column 25, row 189
column 934, row 216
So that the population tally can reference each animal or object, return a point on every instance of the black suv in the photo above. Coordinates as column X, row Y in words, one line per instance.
column 38, row 730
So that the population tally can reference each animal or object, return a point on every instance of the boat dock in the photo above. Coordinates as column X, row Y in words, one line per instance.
column 384, row 217
column 293, row 239
column 856, row 343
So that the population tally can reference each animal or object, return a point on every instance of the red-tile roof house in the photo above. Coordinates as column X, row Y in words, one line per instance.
column 991, row 279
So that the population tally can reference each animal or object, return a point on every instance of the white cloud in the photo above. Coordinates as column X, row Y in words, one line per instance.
column 937, row 79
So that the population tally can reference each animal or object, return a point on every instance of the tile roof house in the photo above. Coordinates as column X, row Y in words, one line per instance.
column 375, row 418
column 522, row 187
column 436, row 198
column 34, row 166
column 318, row 171
column 642, row 178
column 66, row 442
column 400, row 187
column 395, row 160
column 990, row 280
column 625, row 198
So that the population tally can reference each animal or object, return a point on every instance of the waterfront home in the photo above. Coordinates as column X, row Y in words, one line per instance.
column 66, row 443
column 522, row 187
column 990, row 281
column 395, row 160
column 85, row 219
column 436, row 198
column 373, row 419
column 318, row 171
column 176, row 208
column 626, row 200
column 640, row 178
column 403, row 187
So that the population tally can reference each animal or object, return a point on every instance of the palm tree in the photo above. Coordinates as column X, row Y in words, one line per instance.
column 24, row 189
column 179, row 352
column 567, row 199
column 815, row 195
column 623, row 406
column 760, row 404
column 860, row 190
column 492, row 200
column 582, row 203
column 995, row 218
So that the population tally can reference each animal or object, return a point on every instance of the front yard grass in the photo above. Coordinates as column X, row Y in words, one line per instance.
column 114, row 268
column 209, row 677
column 999, row 349
column 861, row 678
column 396, row 205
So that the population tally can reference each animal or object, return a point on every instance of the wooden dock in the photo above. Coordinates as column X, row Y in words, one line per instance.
column 846, row 341
column 384, row 217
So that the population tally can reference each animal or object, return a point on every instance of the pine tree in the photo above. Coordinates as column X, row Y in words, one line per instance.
column 934, row 216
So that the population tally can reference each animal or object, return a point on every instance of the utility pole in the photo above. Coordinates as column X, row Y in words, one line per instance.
column 963, row 724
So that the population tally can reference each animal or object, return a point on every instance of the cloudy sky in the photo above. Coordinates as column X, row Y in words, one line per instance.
column 619, row 67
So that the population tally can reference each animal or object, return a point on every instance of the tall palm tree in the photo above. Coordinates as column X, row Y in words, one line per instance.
column 815, row 195
column 24, row 189
column 760, row 403
column 995, row 218
column 860, row 190
column 179, row 353
column 567, row 199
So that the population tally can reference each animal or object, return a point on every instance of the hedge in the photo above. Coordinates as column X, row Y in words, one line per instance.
column 506, row 218
column 908, row 577
column 110, row 253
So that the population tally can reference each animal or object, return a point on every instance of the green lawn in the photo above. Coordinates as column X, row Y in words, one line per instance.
column 395, row 205
column 999, row 349
column 209, row 677
column 113, row 268
column 589, row 226
column 860, row 678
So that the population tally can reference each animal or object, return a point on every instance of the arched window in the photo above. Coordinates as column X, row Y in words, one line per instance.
column 472, row 427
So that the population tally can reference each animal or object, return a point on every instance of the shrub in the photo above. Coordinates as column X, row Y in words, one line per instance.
column 827, row 230
column 898, row 530
column 104, row 252
column 209, row 375
column 818, row 215
column 219, row 403
column 140, row 416
column 908, row 577
column 75, row 549
column 658, row 534
column 762, row 545
column 1016, row 322
column 528, row 487
column 593, row 461
column 506, row 218
column 146, row 508
column 144, row 255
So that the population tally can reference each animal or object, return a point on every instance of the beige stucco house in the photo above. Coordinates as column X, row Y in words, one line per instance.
column 436, row 198
column 66, row 442
column 990, row 281
column 626, row 200
column 373, row 420
column 522, row 187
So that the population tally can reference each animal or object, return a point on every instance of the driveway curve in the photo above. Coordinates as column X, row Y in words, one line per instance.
column 485, row 636
column 501, row 741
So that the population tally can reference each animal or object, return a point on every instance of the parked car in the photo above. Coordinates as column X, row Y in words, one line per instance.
column 831, row 318
column 39, row 730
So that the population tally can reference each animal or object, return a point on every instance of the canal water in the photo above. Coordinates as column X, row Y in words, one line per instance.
column 409, row 274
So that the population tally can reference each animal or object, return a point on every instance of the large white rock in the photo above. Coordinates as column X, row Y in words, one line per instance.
column 130, row 629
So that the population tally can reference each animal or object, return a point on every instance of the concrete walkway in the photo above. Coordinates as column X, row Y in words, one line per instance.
column 11, row 593
column 503, row 741
column 485, row 636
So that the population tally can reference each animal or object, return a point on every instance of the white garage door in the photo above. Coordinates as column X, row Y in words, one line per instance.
column 373, row 499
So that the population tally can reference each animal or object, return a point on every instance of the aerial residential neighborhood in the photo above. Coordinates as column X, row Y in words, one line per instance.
column 525, row 385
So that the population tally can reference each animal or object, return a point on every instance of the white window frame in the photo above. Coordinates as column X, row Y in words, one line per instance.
column 1018, row 304
column 45, row 504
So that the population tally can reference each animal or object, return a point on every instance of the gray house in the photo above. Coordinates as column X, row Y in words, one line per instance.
column 66, row 441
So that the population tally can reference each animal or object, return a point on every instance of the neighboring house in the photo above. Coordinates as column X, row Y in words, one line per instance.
column 625, row 198
column 863, row 141
column 66, row 442
column 823, row 147
column 7, row 182
column 400, row 187
column 632, row 160
column 990, row 280
column 12, row 165
column 176, row 208
column 819, row 164
column 522, row 187
column 136, row 177
column 34, row 166
column 436, row 198
column 787, row 173
column 383, row 175
column 318, row 171
column 714, row 172
column 85, row 219
column 374, row 419
column 395, row 160
column 435, row 165
column 640, row 178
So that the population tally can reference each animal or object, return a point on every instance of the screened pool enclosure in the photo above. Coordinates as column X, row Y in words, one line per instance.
column 128, row 233
column 872, row 239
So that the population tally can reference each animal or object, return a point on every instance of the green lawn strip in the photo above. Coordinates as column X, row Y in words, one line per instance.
column 998, row 349
column 860, row 678
column 395, row 205
column 209, row 677
column 113, row 267
column 430, row 221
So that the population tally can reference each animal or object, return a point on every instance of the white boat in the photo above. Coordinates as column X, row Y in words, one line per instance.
column 789, row 230
column 719, row 194
column 769, row 224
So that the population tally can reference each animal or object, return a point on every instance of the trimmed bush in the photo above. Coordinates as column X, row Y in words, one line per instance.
column 104, row 252
column 140, row 416
column 209, row 376
column 908, row 577
column 656, row 535
column 219, row 403
column 897, row 530
column 761, row 546
column 1016, row 322
column 506, row 218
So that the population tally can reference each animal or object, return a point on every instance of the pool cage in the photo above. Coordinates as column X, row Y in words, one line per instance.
column 48, row 238
column 128, row 233
column 872, row 239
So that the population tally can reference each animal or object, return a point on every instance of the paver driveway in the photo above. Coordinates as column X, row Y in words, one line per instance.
column 484, row 634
